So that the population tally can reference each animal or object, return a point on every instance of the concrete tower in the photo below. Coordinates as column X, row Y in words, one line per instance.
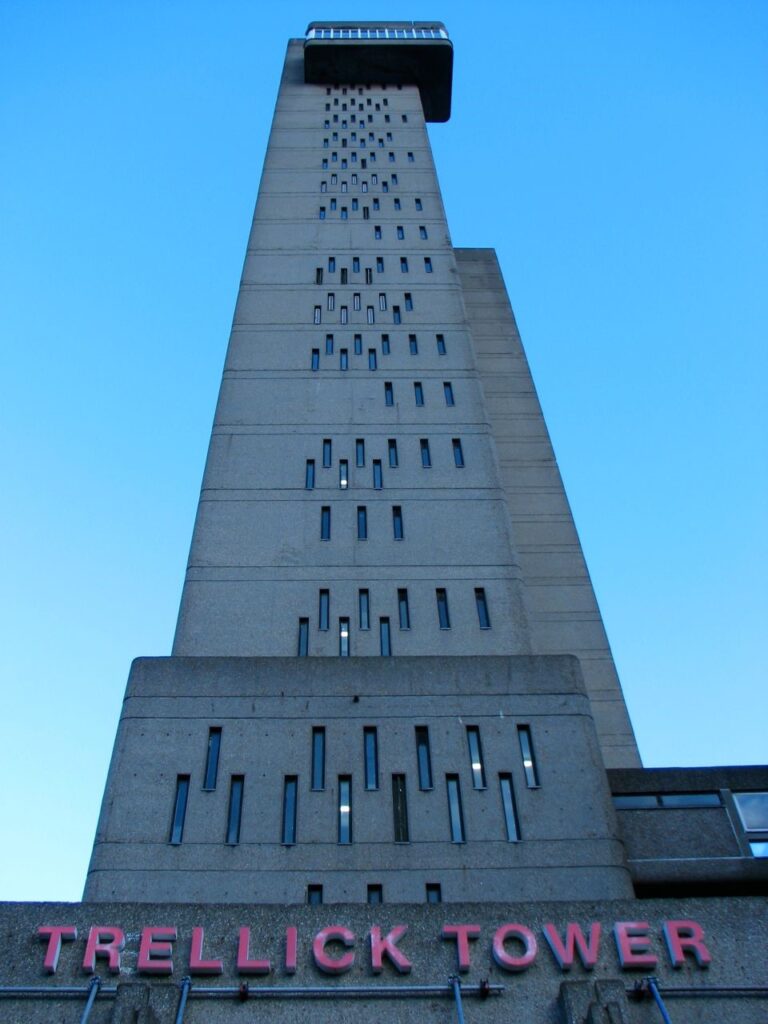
column 389, row 669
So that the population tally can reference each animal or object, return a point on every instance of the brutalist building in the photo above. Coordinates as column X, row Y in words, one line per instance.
column 388, row 771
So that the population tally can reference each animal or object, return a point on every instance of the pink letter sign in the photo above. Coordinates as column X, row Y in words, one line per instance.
column 104, row 942
column 633, row 945
column 155, row 951
column 574, row 940
column 686, row 935
column 522, row 934
column 335, row 933
column 388, row 947
column 462, row 933
column 55, row 934
column 196, row 963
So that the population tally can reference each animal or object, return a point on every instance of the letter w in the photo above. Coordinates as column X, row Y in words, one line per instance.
column 563, row 952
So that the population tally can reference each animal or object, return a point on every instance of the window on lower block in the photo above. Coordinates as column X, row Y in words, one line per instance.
column 372, row 359
column 392, row 452
column 385, row 638
column 325, row 522
column 418, row 203
column 290, row 799
column 358, row 344
column 423, row 759
column 413, row 344
column 364, row 609
column 314, row 895
column 360, row 452
column 418, row 392
column 397, row 522
column 319, row 275
column 343, row 474
column 426, row 458
column 356, row 301
column 396, row 317
column 509, row 807
column 529, row 760
column 448, row 392
column 323, row 616
column 377, row 232
column 179, row 809
column 375, row 894
column 370, row 315
column 318, row 757
column 482, row 608
column 344, row 317
column 443, row 616
column 327, row 452
column 476, row 764
column 385, row 344
column 389, row 395
column 362, row 522
column 369, row 275
column 423, row 232
column 403, row 610
column 315, row 363
column 403, row 265
column 331, row 264
column 371, row 757
column 440, row 344
column 408, row 302
column 318, row 315
column 345, row 809
column 434, row 892
column 455, row 814
column 212, row 758
column 343, row 359
column 235, row 813
column 329, row 344
column 379, row 264
column 400, row 809
column 458, row 453
column 343, row 638
column 400, row 231
column 378, row 481
column 303, row 647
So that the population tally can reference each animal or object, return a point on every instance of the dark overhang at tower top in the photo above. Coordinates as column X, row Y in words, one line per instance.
column 393, row 53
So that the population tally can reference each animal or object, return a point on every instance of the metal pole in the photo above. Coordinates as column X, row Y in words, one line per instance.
column 456, row 985
column 93, row 990
column 654, row 990
column 186, row 984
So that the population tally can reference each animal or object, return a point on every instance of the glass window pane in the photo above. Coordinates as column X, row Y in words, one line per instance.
column 375, row 894
column 235, row 809
column 510, row 808
column 343, row 638
column 364, row 609
column 403, row 610
column 690, row 800
column 385, row 639
column 179, row 809
column 423, row 759
column 212, row 758
column 400, row 809
column 476, row 757
column 371, row 757
column 318, row 757
column 454, row 809
column 753, row 810
column 442, row 608
column 290, row 788
column 303, row 650
column 345, row 809
column 529, row 762
column 635, row 801
column 482, row 608
column 434, row 892
column 323, row 611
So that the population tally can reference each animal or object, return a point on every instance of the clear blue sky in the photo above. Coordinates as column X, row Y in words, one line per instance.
column 614, row 153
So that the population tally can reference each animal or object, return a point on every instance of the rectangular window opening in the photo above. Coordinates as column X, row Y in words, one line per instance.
column 362, row 522
column 529, row 760
column 434, row 892
column 325, row 522
column 482, row 608
column 426, row 458
column 179, row 810
column 345, row 810
column 423, row 758
column 318, row 757
column 371, row 757
column 212, row 758
column 455, row 814
column 235, row 813
column 378, row 481
column 323, row 618
column 392, row 452
column 397, row 522
column 476, row 764
column 509, row 806
column 385, row 638
column 375, row 894
column 364, row 609
column 400, row 809
column 443, row 615
column 403, row 609
column 303, row 645
column 314, row 895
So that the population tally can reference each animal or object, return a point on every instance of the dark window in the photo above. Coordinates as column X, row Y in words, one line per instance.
column 345, row 809
column 321, row 213
column 702, row 800
column 382, row 301
column 419, row 204
column 411, row 158
column 389, row 395
column 314, row 895
column 375, row 894
column 329, row 344
column 327, row 452
column 318, row 315
column 356, row 259
column 369, row 314
column 377, row 231
column 402, row 608
column 212, row 758
column 362, row 522
column 423, row 759
column 392, row 451
column 371, row 757
column 364, row 609
column 378, row 482
column 379, row 264
column 319, row 275
column 427, row 265
column 455, row 815
column 510, row 807
column 371, row 358
column 360, row 452
column 400, row 231
column 448, row 392
column 356, row 301
column 331, row 264
column 482, row 608
column 385, row 344
column 476, row 764
column 403, row 265
column 413, row 344
column 343, row 276
column 358, row 344
column 529, row 761
column 343, row 359
column 315, row 364
column 343, row 638
column 418, row 392
column 235, row 814
column 440, row 344
column 408, row 302
column 423, row 234
column 325, row 522
column 426, row 458
column 179, row 809
column 400, row 809
column 368, row 275
column 318, row 757
column 343, row 474
column 290, row 799
column 303, row 648
column 324, row 610
column 385, row 638
column 397, row 204
column 397, row 522
column 442, row 608
column 434, row 892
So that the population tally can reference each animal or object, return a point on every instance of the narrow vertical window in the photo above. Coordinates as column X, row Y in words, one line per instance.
column 290, row 794
column 356, row 259
column 440, row 339
column 378, row 482
column 375, row 894
column 389, row 394
column 379, row 264
column 382, row 301
column 343, row 638
column 331, row 264
column 427, row 264
column 400, row 809
column 418, row 392
column 370, row 315
column 423, row 234
column 321, row 211
column 212, row 758
column 396, row 317
column 413, row 344
column 434, row 892
column 448, row 392
column 397, row 522
column 529, row 761
column 327, row 452
column 314, row 895
column 318, row 315
column 358, row 344
column 458, row 453
column 344, row 213
column 482, row 608
column 402, row 608
column 385, row 638
column 377, row 232
column 360, row 452
column 356, row 301
column 423, row 758
column 371, row 757
column 179, row 809
column 364, row 609
column 345, row 809
column 369, row 275
column 343, row 359
column 510, row 807
column 235, row 813
column 329, row 344
column 303, row 646
column 400, row 232
column 344, row 318
column 408, row 302
column 398, row 206
column 318, row 757
column 331, row 301
column 392, row 452
column 343, row 474
column 323, row 615
column 319, row 275
column 362, row 522
column 403, row 265
column 442, row 608
column 418, row 203
column 385, row 344
column 315, row 364
column 455, row 815
column 371, row 358
column 476, row 764
column 325, row 522
column 411, row 158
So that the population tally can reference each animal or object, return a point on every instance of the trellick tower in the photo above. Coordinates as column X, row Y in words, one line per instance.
column 390, row 678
